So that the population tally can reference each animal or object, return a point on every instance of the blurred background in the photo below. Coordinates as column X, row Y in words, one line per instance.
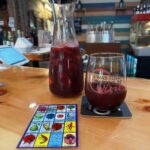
column 101, row 25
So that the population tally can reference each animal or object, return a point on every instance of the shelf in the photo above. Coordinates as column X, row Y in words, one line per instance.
column 141, row 17
column 127, row 10
column 120, row 9
column 123, row 9
column 80, row 12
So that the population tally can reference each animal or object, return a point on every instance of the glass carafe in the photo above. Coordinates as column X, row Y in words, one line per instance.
column 65, row 70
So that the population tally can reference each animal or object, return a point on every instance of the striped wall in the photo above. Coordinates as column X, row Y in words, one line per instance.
column 97, row 11
column 106, row 1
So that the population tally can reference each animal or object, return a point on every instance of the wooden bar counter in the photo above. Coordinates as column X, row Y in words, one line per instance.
column 28, row 86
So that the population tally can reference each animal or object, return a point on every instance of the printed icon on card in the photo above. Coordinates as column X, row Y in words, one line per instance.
column 46, row 126
column 70, row 108
column 70, row 126
column 50, row 116
column 69, row 139
column 34, row 127
column 56, row 127
column 70, row 116
column 56, row 139
column 29, row 138
column 61, row 108
column 42, row 109
column 39, row 116
column 42, row 140
column 60, row 116
column 52, row 109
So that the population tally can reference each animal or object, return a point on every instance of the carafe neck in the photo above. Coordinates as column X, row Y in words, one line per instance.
column 64, row 32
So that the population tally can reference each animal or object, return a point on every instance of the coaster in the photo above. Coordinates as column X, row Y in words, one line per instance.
column 122, row 111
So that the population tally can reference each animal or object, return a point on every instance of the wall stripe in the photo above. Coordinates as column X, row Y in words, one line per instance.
column 116, row 26
column 123, row 30
column 107, row 5
column 107, row 1
column 122, row 25
column 124, row 46
column 132, row 3
column 124, row 42
column 99, row 5
column 125, row 50
column 107, row 12
column 122, row 34
column 108, row 19
column 101, row 13
column 122, row 38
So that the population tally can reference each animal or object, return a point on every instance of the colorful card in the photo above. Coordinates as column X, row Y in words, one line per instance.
column 52, row 126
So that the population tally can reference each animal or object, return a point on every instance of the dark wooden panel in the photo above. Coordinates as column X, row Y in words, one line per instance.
column 102, row 47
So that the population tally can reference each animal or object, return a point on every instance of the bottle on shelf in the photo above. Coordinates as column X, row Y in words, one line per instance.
column 18, row 34
column 34, row 37
column 5, row 39
column 144, row 9
column 141, row 9
column 79, row 5
column 105, row 33
column 137, row 10
column 148, row 9
column 22, row 34
column 134, row 11
column 10, row 41
column 77, row 24
column 14, row 36
column 28, row 36
column 1, row 36
column 121, row 4
column 112, row 31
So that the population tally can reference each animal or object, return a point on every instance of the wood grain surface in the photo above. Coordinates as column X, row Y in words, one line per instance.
column 26, row 86
column 37, row 57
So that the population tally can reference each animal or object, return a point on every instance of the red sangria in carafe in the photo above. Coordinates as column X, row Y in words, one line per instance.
column 65, row 70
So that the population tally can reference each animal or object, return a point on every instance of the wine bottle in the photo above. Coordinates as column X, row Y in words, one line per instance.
column 5, row 38
column 121, row 4
column 10, row 39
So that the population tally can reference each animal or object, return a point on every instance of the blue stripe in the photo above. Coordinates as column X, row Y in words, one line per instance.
column 124, row 50
column 99, row 5
column 116, row 30
column 108, row 19
column 123, row 30
column 124, row 42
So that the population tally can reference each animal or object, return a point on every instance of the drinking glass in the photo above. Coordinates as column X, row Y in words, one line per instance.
column 105, row 82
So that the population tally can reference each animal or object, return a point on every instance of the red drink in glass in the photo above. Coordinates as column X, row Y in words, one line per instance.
column 105, row 95
column 65, row 71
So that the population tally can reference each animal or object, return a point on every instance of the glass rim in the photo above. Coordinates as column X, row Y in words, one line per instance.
column 107, row 55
